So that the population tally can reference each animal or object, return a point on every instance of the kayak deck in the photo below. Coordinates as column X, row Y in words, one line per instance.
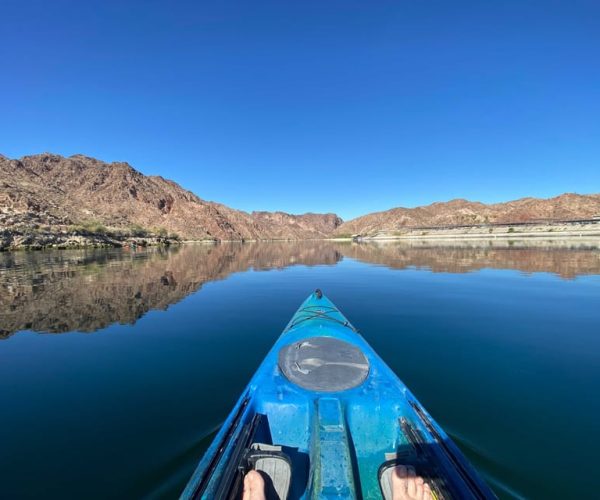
column 340, row 416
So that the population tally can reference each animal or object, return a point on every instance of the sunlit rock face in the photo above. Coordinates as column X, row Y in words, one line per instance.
column 49, row 190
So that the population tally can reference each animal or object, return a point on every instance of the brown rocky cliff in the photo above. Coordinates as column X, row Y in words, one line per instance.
column 52, row 190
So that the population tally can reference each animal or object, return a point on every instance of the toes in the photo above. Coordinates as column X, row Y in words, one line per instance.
column 246, row 494
column 254, row 486
column 398, row 481
column 405, row 484
column 427, row 495
column 419, row 489
column 411, row 487
column 253, row 481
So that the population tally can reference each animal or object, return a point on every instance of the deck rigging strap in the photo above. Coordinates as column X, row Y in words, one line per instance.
column 318, row 312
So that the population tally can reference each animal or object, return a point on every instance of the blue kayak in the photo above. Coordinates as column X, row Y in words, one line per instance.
column 325, row 417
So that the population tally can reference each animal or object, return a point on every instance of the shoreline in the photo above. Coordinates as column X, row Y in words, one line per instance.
column 515, row 231
column 481, row 236
column 23, row 240
column 18, row 241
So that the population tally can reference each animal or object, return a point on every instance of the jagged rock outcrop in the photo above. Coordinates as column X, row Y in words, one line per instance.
column 50, row 191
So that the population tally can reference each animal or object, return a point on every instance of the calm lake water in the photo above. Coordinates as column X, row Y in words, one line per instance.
column 117, row 367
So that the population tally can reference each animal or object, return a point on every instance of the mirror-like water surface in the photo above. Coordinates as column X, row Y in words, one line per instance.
column 117, row 367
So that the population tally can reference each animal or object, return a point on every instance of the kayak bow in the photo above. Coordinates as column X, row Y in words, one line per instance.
column 325, row 417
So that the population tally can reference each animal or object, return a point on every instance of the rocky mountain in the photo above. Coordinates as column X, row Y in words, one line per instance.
column 463, row 212
column 49, row 190
column 79, row 198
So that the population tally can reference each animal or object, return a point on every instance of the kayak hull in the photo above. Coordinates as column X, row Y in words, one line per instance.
column 337, row 437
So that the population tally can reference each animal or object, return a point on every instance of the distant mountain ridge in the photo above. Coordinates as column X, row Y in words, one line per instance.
column 51, row 190
column 568, row 206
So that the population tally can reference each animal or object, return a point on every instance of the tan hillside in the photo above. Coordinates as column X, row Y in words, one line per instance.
column 463, row 212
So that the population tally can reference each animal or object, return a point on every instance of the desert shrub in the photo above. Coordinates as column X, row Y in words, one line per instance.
column 138, row 231
column 90, row 227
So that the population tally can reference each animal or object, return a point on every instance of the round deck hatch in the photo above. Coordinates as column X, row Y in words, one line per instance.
column 323, row 364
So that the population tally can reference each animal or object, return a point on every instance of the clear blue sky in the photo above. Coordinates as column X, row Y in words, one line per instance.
column 308, row 105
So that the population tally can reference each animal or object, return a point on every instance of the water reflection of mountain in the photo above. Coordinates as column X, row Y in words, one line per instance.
column 86, row 290
column 566, row 259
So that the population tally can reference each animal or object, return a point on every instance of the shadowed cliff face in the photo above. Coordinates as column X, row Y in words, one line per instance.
column 87, row 290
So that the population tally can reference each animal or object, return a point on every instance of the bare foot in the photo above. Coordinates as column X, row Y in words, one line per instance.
column 254, row 486
column 406, row 485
